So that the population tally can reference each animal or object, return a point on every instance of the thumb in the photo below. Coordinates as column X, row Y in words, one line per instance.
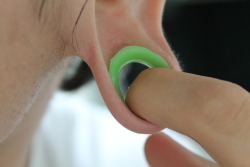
column 162, row 151
column 213, row 112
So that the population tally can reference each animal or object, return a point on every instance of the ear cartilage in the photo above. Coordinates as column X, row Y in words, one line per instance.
column 123, row 63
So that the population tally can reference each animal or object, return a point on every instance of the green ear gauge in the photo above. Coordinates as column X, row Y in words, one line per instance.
column 133, row 54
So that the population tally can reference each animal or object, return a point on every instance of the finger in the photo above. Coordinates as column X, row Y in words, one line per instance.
column 162, row 151
column 213, row 112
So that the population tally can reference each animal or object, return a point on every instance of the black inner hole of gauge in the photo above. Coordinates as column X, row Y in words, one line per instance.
column 128, row 74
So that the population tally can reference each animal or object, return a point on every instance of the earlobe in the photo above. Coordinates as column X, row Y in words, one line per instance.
column 127, row 22
column 112, row 27
column 151, row 16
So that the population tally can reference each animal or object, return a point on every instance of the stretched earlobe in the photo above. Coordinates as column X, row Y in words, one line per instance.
column 112, row 27
column 116, row 104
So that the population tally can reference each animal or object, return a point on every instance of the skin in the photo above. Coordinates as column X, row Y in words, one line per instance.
column 215, row 113
column 36, row 40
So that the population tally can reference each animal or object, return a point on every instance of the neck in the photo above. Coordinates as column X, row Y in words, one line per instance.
column 15, row 149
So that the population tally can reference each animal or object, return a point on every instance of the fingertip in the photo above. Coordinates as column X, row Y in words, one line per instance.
column 154, row 153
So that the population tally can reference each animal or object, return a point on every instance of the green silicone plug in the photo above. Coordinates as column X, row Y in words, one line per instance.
column 133, row 54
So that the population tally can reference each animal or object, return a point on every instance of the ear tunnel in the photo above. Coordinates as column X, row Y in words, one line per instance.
column 128, row 63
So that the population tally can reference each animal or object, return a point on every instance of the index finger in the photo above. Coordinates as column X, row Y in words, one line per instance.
column 213, row 112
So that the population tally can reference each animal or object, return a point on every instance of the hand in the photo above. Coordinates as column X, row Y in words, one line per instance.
column 215, row 113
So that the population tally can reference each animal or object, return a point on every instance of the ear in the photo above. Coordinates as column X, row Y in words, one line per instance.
column 109, row 25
